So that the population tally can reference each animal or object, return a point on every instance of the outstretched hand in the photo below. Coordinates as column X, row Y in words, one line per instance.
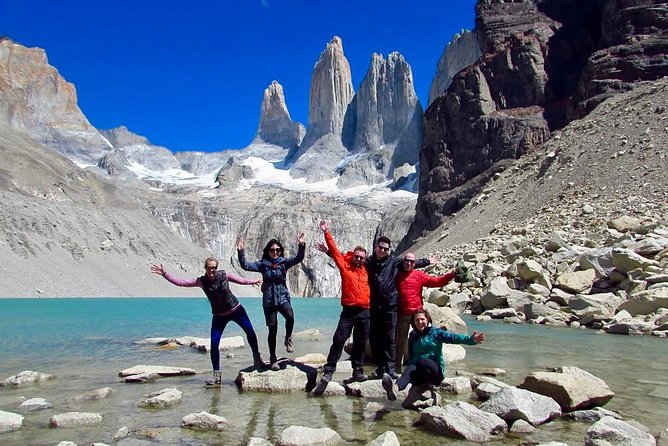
column 323, row 225
column 301, row 238
column 321, row 247
column 478, row 337
column 433, row 260
column 241, row 244
column 158, row 269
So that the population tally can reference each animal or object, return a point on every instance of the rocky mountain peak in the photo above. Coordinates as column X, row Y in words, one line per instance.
column 331, row 92
column 35, row 98
column 276, row 126
column 459, row 53
column 331, row 117
column 121, row 137
column 388, row 122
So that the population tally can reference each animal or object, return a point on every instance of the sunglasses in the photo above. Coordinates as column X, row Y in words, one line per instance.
column 274, row 249
column 212, row 268
column 359, row 258
column 409, row 261
column 384, row 248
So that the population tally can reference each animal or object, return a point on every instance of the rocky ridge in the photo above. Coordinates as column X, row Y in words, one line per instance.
column 543, row 63
column 574, row 234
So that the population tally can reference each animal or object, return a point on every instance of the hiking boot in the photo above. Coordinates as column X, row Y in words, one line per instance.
column 358, row 375
column 288, row 345
column 258, row 362
column 393, row 374
column 216, row 379
column 327, row 377
column 388, row 385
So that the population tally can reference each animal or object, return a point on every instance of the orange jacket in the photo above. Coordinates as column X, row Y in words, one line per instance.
column 354, row 280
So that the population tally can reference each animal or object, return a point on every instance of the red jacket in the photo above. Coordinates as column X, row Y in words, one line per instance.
column 354, row 280
column 410, row 284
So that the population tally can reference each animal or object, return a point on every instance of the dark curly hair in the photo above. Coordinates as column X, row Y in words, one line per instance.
column 420, row 311
column 270, row 243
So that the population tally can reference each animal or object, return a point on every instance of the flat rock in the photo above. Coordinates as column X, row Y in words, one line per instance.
column 204, row 421
column 75, row 419
column 26, row 378
column 156, row 369
column 161, row 399
column 307, row 436
column 311, row 334
column 457, row 385
column 591, row 415
column 294, row 377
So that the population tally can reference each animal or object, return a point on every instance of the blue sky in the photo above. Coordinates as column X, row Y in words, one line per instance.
column 190, row 75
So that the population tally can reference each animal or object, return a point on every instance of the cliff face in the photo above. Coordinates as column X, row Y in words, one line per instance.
column 35, row 98
column 543, row 63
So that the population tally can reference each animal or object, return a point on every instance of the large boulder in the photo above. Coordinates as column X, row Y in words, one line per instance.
column 609, row 431
column 603, row 304
column 646, row 302
column 463, row 420
column 512, row 404
column 577, row 281
column 446, row 318
column 496, row 294
column 571, row 387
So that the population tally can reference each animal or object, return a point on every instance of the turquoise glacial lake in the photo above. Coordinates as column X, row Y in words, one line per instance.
column 86, row 342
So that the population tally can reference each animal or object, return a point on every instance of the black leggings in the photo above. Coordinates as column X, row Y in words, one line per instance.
column 425, row 371
column 270, row 315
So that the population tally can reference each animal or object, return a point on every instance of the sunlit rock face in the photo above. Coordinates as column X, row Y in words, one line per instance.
column 35, row 98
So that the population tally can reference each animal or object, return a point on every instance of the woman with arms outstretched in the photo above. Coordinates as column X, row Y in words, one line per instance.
column 225, row 307
column 275, row 294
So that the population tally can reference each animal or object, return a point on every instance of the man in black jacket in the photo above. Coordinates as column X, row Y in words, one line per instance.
column 383, row 269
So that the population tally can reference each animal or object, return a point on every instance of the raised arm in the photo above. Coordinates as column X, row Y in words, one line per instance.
column 241, row 255
column 438, row 281
column 332, row 249
column 159, row 269
column 292, row 261
column 242, row 280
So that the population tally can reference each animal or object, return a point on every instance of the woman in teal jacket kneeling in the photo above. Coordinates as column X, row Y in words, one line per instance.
column 425, row 352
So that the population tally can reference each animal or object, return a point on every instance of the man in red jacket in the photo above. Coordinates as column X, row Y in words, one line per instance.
column 354, row 317
column 410, row 282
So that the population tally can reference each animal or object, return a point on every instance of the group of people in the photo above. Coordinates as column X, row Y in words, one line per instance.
column 381, row 296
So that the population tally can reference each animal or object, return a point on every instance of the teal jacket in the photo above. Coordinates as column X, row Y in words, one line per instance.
column 429, row 344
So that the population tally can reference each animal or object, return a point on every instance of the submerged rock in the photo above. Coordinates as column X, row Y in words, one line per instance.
column 161, row 399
